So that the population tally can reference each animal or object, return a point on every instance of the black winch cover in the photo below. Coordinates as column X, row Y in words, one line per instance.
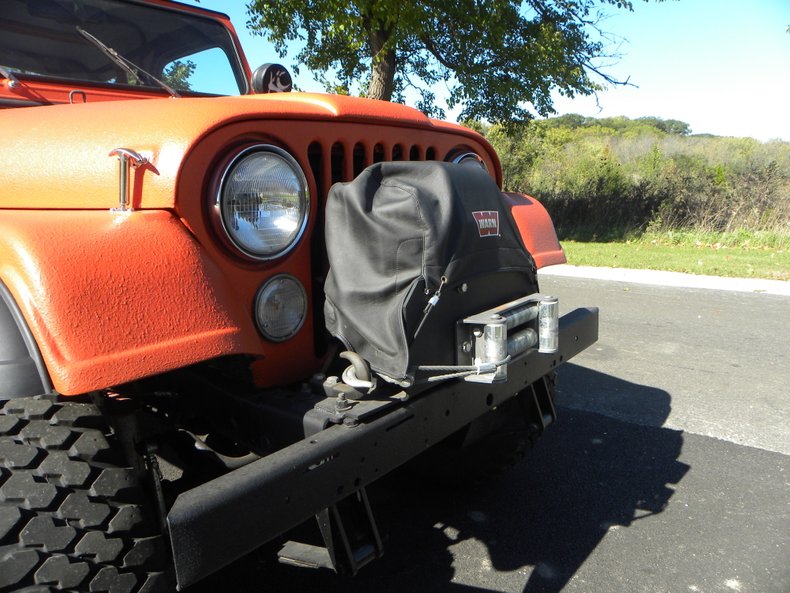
column 391, row 235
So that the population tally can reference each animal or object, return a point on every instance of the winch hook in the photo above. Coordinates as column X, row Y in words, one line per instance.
column 357, row 374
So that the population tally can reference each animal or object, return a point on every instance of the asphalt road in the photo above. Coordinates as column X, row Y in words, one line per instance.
column 667, row 471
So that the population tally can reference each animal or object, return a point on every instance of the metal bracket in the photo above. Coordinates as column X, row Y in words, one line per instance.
column 127, row 159
column 508, row 330
column 351, row 538
column 13, row 81
column 75, row 93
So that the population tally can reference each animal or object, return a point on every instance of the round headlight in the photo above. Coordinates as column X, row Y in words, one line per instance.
column 263, row 202
column 280, row 307
column 469, row 158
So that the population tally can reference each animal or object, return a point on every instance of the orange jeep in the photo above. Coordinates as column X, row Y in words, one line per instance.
column 226, row 308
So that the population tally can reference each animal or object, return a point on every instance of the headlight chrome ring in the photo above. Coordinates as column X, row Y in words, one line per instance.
column 468, row 158
column 262, row 203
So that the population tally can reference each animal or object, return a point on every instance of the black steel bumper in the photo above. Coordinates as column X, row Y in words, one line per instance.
column 226, row 518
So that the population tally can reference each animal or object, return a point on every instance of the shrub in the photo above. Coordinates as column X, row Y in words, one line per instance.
column 615, row 177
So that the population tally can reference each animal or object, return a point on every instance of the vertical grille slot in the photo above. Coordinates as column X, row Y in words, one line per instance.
column 397, row 152
column 360, row 158
column 348, row 162
column 378, row 153
column 338, row 162
column 315, row 156
column 321, row 169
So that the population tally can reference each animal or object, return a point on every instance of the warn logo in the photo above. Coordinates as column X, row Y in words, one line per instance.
column 487, row 223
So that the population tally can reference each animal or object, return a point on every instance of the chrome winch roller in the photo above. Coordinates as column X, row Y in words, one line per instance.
column 504, row 332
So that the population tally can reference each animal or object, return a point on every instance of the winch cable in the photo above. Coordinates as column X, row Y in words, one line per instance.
column 432, row 302
column 454, row 372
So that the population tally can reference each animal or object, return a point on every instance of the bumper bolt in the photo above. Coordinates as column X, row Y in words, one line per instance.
column 342, row 404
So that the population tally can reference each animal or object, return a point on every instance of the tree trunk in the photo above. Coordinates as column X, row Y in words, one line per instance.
column 382, row 67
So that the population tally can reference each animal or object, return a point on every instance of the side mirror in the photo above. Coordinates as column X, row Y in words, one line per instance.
column 271, row 78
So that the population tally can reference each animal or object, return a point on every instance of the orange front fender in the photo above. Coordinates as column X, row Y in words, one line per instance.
column 536, row 229
column 111, row 297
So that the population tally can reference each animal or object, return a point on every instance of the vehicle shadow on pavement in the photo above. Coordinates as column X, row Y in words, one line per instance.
column 529, row 530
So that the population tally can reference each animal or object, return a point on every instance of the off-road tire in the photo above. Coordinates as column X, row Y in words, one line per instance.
column 507, row 436
column 73, row 515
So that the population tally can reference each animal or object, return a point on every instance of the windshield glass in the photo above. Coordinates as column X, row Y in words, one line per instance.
column 185, row 51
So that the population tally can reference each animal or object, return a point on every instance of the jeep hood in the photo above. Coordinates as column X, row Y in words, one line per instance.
column 58, row 157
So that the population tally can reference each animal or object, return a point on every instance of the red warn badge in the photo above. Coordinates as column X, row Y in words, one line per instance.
column 487, row 223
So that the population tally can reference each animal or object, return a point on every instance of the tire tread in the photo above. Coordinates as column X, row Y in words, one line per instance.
column 71, row 517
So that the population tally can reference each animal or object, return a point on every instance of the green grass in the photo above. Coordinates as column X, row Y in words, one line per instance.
column 738, row 255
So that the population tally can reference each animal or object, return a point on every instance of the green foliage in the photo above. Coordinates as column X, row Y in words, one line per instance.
column 177, row 75
column 742, row 239
column 620, row 123
column 691, row 253
column 615, row 177
column 670, row 126
column 494, row 56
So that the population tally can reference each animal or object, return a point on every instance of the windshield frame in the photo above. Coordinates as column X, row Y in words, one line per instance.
column 237, row 68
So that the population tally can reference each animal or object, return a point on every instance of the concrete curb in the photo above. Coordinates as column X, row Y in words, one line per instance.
column 677, row 279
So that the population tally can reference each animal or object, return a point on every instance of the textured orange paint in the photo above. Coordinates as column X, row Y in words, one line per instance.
column 56, row 156
column 536, row 229
column 112, row 297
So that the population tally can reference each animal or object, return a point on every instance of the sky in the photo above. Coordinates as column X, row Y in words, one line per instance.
column 722, row 66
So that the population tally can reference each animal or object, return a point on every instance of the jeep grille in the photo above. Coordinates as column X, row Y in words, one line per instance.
column 344, row 161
